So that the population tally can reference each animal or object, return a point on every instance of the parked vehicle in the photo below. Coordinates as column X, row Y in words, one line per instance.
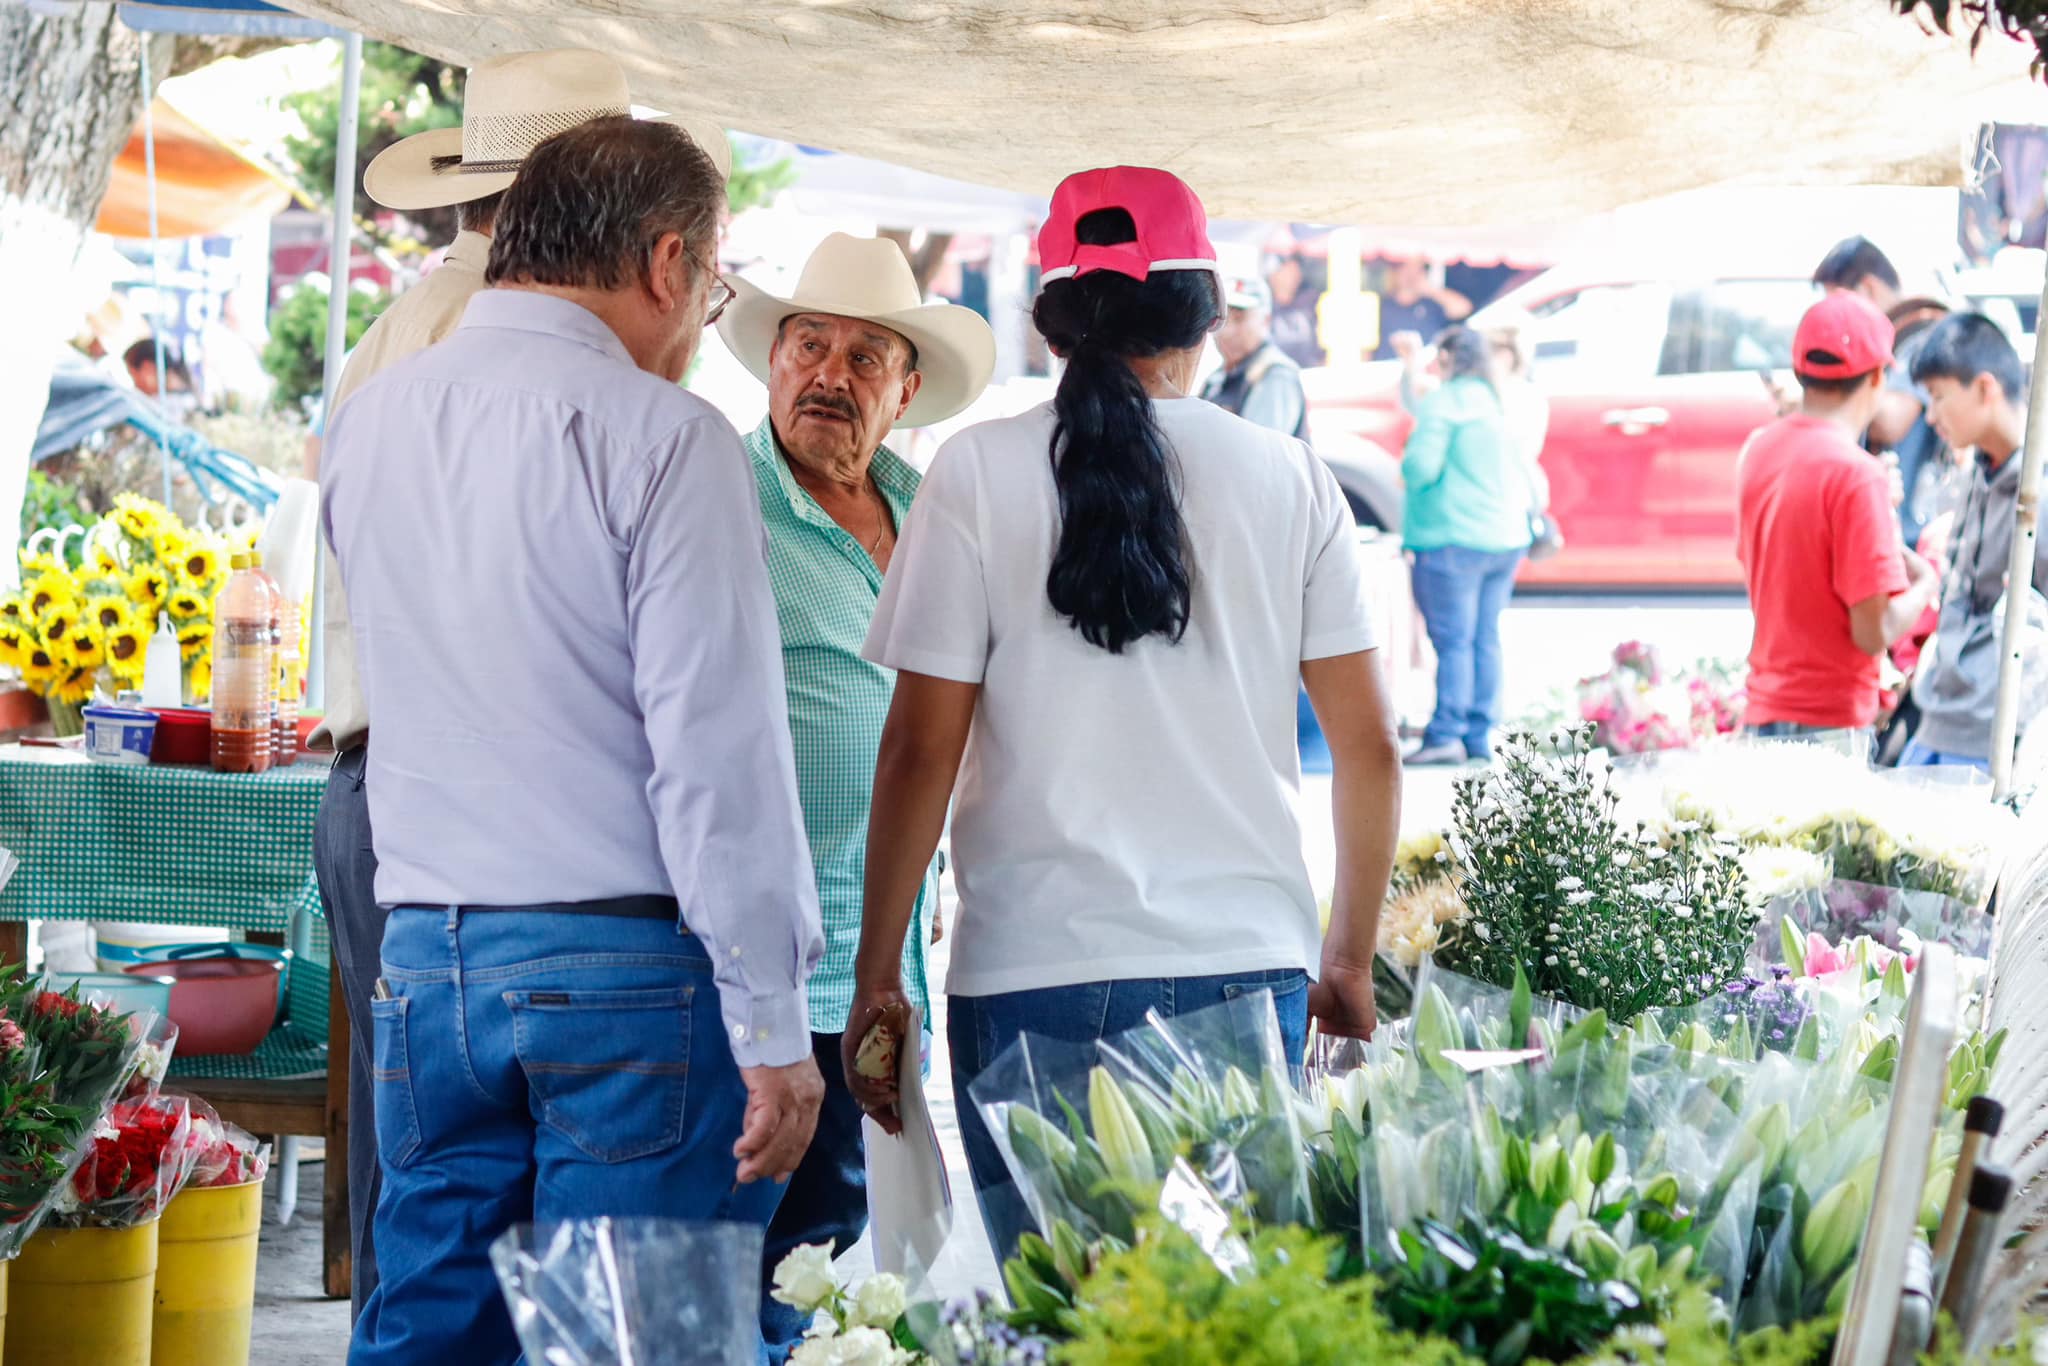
column 1654, row 384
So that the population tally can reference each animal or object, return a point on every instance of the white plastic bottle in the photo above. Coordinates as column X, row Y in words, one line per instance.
column 163, row 683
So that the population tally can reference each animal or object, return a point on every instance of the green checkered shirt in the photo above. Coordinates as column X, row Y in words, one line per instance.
column 825, row 591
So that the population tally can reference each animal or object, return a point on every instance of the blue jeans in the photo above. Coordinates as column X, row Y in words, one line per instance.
column 826, row 1201
column 536, row 1066
column 1461, row 594
column 1917, row 755
column 979, row 1028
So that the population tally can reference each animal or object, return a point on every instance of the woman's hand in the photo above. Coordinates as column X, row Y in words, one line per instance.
column 1341, row 1000
column 879, row 1005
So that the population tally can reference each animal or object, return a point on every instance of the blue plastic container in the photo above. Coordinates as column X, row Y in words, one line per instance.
column 119, row 735
column 116, row 990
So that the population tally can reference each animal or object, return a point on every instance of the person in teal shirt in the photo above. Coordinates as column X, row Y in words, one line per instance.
column 1466, row 522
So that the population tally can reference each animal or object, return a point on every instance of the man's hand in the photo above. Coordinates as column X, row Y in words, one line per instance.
column 887, row 1006
column 782, row 1114
column 1341, row 1000
column 1407, row 345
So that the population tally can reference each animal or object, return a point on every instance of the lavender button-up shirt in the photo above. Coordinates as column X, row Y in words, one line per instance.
column 563, row 625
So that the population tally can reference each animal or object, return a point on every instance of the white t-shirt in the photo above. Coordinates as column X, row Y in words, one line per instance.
column 1124, row 816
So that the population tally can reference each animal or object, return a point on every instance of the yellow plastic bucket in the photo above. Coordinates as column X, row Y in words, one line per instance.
column 85, row 1297
column 206, row 1276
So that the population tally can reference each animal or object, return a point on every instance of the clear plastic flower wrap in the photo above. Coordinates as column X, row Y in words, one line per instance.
column 1893, row 916
column 65, row 1060
column 632, row 1292
column 1089, row 1131
column 224, row 1154
column 141, row 1156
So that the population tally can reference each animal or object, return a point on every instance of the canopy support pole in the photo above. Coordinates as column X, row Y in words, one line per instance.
column 156, row 263
column 2019, row 578
column 340, row 250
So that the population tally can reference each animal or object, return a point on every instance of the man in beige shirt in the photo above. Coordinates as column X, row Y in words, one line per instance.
column 510, row 105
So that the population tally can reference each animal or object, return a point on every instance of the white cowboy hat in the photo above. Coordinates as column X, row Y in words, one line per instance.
column 510, row 105
column 868, row 278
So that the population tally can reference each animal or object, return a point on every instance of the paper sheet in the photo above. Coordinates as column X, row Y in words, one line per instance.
column 910, row 1201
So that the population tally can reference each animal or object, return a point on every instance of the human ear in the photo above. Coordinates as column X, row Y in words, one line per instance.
column 912, row 382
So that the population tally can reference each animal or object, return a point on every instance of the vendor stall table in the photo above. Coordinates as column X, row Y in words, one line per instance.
column 189, row 846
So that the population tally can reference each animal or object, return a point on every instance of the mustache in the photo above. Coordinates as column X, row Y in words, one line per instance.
column 829, row 403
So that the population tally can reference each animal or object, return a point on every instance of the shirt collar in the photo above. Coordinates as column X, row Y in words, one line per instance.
column 892, row 474
column 469, row 251
column 526, row 310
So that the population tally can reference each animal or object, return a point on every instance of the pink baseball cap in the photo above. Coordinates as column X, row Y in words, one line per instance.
column 1847, row 328
column 1173, row 230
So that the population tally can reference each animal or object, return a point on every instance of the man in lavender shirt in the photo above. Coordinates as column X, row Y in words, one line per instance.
column 603, row 910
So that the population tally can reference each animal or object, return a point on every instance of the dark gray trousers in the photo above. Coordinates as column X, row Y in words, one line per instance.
column 346, row 865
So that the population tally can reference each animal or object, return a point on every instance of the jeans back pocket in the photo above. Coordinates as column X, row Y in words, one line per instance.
column 398, row 1120
column 611, row 1069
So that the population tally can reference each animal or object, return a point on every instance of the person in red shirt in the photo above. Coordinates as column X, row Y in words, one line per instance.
column 1830, row 582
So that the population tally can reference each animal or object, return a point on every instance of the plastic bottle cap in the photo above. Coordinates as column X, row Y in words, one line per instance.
column 239, row 560
column 255, row 559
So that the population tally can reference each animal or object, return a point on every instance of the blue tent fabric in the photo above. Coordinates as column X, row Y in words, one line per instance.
column 85, row 402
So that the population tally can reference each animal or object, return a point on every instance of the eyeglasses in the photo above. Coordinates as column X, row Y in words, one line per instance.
column 722, row 294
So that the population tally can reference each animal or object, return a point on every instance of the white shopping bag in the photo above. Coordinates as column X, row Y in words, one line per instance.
column 910, row 1202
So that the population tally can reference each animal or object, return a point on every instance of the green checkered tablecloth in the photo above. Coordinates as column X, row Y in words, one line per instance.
column 182, row 846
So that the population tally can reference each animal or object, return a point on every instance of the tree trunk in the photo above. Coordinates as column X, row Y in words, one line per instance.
column 70, row 93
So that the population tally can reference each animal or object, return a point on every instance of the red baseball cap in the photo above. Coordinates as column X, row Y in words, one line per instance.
column 1846, row 328
column 1173, row 230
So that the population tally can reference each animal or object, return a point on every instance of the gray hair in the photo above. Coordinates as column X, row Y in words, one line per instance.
column 590, row 204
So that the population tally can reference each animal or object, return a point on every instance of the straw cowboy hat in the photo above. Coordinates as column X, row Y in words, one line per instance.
column 869, row 278
column 510, row 105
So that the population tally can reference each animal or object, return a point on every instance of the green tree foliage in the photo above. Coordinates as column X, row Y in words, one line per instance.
column 298, row 338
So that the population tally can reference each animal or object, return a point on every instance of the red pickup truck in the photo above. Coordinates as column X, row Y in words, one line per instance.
column 1653, row 384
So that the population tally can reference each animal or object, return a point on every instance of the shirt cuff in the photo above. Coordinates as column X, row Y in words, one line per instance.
column 771, row 1030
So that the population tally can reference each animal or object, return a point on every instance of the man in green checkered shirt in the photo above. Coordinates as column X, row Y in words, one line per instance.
column 853, row 353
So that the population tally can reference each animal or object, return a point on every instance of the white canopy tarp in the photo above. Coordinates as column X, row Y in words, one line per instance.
column 1397, row 112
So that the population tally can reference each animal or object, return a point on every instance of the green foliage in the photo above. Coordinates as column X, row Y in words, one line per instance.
column 297, row 351
column 1500, row 1298
column 403, row 93
column 755, row 184
column 1164, row 1303
column 51, row 504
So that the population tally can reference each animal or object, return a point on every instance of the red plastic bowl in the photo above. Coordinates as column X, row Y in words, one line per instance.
column 220, row 1005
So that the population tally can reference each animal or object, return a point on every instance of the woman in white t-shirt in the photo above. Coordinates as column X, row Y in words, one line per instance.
column 1105, row 604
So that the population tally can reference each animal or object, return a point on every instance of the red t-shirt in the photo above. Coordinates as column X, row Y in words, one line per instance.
column 1818, row 535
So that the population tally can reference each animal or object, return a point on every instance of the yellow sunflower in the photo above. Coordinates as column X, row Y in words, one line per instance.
column 88, row 648
column 76, row 686
column 104, row 560
column 127, row 647
column 39, row 667
column 48, row 590
column 107, row 611
column 199, row 680
column 57, row 621
column 169, row 544
column 14, row 607
column 187, row 604
column 199, row 564
column 13, row 641
column 140, row 517
column 147, row 586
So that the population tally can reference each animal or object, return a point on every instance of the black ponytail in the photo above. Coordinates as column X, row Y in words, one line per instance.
column 1121, row 571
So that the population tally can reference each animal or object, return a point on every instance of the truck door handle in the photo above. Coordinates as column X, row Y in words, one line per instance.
column 1635, row 421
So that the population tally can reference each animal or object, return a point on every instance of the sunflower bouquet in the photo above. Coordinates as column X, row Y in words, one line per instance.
column 73, row 629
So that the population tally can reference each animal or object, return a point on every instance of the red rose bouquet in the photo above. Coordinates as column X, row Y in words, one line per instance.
column 225, row 1155
column 140, row 1159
